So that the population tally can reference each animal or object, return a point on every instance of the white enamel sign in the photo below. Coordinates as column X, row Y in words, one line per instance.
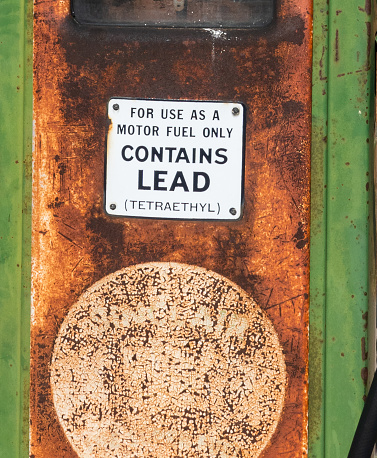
column 175, row 159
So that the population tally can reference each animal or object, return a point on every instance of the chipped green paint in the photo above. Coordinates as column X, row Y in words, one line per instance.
column 342, row 215
column 15, row 178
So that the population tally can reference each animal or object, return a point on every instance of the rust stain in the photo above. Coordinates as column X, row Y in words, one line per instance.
column 365, row 318
column 75, row 244
column 369, row 44
column 367, row 8
column 364, row 352
column 364, row 375
column 321, row 76
column 337, row 46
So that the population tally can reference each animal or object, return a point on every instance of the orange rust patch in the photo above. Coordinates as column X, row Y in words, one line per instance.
column 77, row 70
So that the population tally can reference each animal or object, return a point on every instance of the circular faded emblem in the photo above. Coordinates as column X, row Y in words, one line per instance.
column 167, row 360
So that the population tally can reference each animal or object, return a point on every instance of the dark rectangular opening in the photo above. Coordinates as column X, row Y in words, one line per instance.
column 175, row 13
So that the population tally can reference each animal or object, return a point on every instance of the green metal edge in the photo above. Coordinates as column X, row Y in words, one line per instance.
column 318, row 232
column 15, row 223
column 342, row 221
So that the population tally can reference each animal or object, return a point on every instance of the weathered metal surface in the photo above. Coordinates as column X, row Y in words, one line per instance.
column 15, row 223
column 75, row 243
column 342, row 209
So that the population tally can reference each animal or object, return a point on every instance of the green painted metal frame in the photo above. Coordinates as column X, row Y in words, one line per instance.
column 342, row 230
column 342, row 222
column 15, row 223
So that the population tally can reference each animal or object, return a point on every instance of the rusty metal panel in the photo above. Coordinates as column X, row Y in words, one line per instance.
column 262, row 258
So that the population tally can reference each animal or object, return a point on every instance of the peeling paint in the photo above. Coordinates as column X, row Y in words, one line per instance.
column 135, row 371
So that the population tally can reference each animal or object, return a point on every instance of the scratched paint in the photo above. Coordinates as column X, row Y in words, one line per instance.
column 75, row 244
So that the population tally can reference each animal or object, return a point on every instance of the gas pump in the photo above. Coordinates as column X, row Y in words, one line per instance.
column 169, row 264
